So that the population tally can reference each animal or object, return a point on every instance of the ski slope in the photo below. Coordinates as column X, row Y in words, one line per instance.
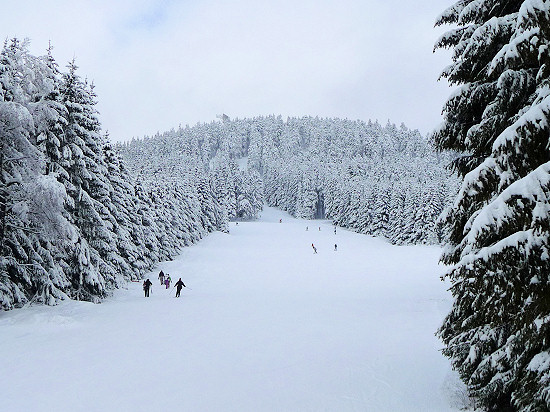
column 267, row 326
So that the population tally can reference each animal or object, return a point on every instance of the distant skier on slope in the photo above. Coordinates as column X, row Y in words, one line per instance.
column 314, row 248
column 161, row 277
column 335, row 247
column 179, row 285
column 146, row 287
column 167, row 281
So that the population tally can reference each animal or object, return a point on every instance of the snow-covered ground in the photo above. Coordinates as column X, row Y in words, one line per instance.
column 267, row 326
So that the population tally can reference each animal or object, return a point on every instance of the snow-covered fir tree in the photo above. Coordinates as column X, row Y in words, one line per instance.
column 31, row 201
column 497, row 333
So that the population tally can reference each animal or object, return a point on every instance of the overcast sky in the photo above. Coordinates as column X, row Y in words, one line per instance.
column 159, row 64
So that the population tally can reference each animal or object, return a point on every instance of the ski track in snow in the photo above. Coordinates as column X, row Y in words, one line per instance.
column 267, row 326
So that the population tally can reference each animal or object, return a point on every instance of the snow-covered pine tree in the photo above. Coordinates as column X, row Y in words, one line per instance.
column 250, row 199
column 121, row 206
column 31, row 204
column 396, row 217
column 50, row 114
column 255, row 191
column 207, row 201
column 18, row 164
column 497, row 333
column 47, row 196
column 92, row 271
column 381, row 210
column 306, row 202
column 411, row 205
column 144, row 229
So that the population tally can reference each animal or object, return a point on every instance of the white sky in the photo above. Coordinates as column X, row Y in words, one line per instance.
column 159, row 64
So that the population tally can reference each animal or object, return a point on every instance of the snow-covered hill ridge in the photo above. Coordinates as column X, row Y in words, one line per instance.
column 267, row 325
column 379, row 180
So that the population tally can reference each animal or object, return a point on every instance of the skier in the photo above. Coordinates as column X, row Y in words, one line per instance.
column 146, row 287
column 306, row 228
column 280, row 220
column 314, row 248
column 179, row 285
column 319, row 228
column 167, row 281
column 335, row 247
column 334, row 230
column 161, row 277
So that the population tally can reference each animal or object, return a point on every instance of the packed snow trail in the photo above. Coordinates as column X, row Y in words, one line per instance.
column 267, row 326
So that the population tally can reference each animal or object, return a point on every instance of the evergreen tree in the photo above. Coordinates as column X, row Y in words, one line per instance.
column 31, row 204
column 91, row 270
column 50, row 114
column 497, row 331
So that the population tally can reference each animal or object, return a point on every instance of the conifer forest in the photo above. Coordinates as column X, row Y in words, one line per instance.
column 82, row 217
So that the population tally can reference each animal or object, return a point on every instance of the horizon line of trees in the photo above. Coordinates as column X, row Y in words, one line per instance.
column 378, row 180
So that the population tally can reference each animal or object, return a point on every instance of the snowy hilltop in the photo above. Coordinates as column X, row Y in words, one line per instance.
column 381, row 180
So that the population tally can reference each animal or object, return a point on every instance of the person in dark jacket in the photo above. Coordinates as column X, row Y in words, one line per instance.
column 146, row 287
column 161, row 277
column 179, row 285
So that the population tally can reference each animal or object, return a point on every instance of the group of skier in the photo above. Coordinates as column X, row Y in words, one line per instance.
column 315, row 249
column 313, row 246
column 164, row 281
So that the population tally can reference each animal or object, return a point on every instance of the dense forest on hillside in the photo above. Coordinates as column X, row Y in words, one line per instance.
column 380, row 180
column 79, row 217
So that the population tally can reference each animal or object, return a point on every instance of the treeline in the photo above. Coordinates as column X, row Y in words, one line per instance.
column 380, row 180
column 74, row 223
